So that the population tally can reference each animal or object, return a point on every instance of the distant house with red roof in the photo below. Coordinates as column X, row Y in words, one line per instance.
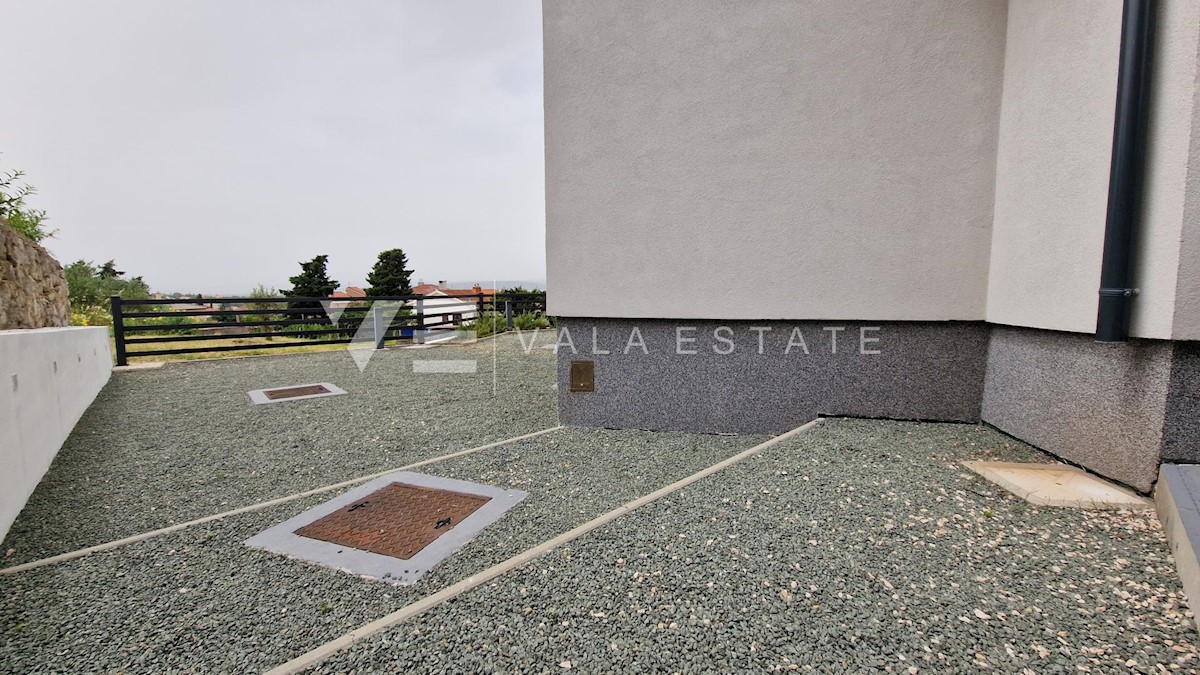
column 444, row 304
column 343, row 299
column 351, row 293
column 440, row 289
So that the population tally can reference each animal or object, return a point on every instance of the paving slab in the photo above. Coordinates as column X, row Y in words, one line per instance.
column 1059, row 485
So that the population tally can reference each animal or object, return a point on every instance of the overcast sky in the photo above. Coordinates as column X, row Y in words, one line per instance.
column 209, row 145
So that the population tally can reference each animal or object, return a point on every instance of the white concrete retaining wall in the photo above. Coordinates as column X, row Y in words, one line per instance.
column 48, row 377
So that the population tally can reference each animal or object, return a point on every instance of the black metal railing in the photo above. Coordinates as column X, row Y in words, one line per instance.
column 304, row 321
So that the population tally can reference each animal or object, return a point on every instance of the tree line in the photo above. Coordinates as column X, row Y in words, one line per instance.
column 389, row 276
column 90, row 285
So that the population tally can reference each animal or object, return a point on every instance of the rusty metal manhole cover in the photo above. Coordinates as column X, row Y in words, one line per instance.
column 295, row 393
column 398, row 520
column 394, row 528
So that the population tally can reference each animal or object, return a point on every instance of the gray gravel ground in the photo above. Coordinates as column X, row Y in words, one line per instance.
column 163, row 446
column 198, row 600
column 859, row 546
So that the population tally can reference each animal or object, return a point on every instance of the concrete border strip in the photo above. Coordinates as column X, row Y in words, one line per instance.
column 62, row 557
column 323, row 652
column 1179, row 514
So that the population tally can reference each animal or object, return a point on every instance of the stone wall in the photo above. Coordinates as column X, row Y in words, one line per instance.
column 33, row 288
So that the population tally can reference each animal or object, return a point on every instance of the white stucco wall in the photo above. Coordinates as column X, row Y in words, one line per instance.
column 1052, row 162
column 1158, row 263
column 1186, row 324
column 1054, row 156
column 913, row 160
column 771, row 160
column 48, row 377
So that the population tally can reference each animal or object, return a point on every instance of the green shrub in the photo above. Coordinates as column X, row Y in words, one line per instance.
column 530, row 321
column 261, row 291
column 490, row 323
column 170, row 325
column 91, row 316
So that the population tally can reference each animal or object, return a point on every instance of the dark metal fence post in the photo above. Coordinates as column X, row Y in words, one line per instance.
column 508, row 320
column 118, row 318
column 377, row 325
column 419, row 330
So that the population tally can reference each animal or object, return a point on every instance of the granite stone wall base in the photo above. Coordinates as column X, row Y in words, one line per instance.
column 769, row 376
column 1181, row 428
column 1117, row 409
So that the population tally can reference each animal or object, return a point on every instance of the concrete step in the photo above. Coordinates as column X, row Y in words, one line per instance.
column 1177, row 498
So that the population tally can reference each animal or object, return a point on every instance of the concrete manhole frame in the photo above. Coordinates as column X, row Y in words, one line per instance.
column 261, row 396
column 282, row 538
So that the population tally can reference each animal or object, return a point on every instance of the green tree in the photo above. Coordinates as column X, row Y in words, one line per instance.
column 390, row 275
column 225, row 315
column 261, row 291
column 523, row 300
column 312, row 282
column 109, row 271
column 89, row 287
column 13, row 210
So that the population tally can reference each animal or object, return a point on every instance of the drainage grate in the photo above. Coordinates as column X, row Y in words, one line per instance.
column 398, row 520
column 297, row 392
column 293, row 392
column 394, row 528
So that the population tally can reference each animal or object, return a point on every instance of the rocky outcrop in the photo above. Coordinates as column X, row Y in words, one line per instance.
column 33, row 288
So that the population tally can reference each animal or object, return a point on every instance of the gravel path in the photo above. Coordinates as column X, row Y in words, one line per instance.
column 163, row 446
column 859, row 546
column 199, row 601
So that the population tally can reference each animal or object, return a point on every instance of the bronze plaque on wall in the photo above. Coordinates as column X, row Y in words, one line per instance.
column 583, row 376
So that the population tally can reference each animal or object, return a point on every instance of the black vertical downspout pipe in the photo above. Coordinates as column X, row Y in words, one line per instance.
column 1127, row 174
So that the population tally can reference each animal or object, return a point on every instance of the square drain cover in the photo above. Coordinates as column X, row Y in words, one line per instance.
column 394, row 528
column 295, row 393
column 1058, row 485
column 397, row 520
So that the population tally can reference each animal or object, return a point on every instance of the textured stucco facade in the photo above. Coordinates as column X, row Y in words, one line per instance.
column 939, row 163
column 913, row 160
column 1052, row 163
column 771, row 160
